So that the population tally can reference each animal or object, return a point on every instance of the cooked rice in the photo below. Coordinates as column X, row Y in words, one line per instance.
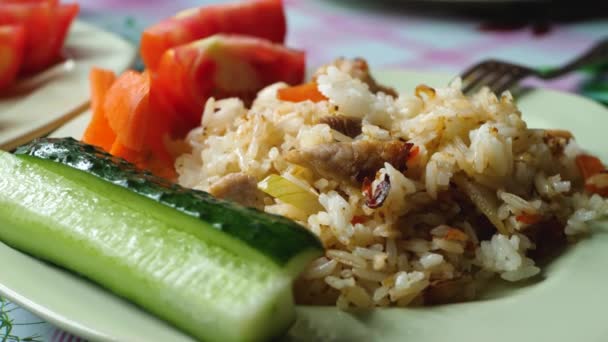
column 430, row 230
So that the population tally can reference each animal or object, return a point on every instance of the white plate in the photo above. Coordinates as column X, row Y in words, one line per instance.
column 37, row 105
column 567, row 303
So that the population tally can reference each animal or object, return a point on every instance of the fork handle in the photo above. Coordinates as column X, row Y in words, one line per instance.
column 597, row 54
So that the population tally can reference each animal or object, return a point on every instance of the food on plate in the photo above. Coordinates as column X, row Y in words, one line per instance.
column 356, row 68
column 128, row 121
column 99, row 130
column 238, row 187
column 264, row 19
column 45, row 25
column 235, row 51
column 217, row 270
column 418, row 198
column 12, row 42
column 302, row 92
column 222, row 66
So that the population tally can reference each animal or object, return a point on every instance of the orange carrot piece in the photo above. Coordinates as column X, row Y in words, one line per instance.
column 299, row 93
column 529, row 218
column 455, row 234
column 589, row 165
column 140, row 123
column 414, row 152
column 99, row 132
column 158, row 162
column 127, row 109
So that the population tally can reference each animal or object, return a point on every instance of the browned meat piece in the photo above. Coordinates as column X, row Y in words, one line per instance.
column 238, row 187
column 353, row 160
column 557, row 140
column 359, row 69
column 549, row 238
column 343, row 124
column 450, row 291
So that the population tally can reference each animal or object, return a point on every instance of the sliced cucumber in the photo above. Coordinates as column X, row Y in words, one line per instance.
column 204, row 280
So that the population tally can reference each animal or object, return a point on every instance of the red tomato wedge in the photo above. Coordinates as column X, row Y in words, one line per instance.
column 46, row 27
column 257, row 18
column 221, row 66
column 66, row 13
column 99, row 132
column 12, row 43
column 50, row 2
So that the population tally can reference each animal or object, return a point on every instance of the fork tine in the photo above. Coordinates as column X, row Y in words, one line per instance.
column 506, row 84
column 475, row 79
column 511, row 80
column 471, row 76
column 499, row 75
column 493, row 74
column 473, row 69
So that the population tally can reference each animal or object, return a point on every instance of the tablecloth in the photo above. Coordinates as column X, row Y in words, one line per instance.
column 387, row 36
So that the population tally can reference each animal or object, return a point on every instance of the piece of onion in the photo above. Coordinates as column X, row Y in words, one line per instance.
column 484, row 199
column 289, row 192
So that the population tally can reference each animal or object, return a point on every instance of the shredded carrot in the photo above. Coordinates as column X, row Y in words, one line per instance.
column 160, row 164
column 414, row 151
column 299, row 93
column 598, row 184
column 455, row 234
column 529, row 218
column 140, row 124
column 127, row 108
column 99, row 132
column 590, row 167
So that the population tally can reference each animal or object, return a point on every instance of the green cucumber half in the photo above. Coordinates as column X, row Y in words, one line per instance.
column 214, row 269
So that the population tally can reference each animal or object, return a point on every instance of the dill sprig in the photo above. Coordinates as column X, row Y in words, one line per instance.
column 7, row 324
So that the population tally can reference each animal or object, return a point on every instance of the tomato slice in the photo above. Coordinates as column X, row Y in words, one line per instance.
column 46, row 27
column 257, row 18
column 66, row 13
column 12, row 43
column 50, row 2
column 222, row 66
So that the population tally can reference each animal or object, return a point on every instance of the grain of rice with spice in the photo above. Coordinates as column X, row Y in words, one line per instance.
column 418, row 198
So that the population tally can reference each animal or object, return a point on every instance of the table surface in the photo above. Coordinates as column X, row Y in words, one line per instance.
column 387, row 37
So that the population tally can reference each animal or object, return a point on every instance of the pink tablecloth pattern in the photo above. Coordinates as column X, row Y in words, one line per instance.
column 386, row 38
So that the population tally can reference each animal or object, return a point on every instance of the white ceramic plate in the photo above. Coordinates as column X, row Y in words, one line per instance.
column 37, row 105
column 566, row 303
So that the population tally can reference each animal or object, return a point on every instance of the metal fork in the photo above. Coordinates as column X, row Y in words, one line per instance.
column 500, row 76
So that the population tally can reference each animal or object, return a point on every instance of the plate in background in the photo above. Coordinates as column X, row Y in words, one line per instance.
column 39, row 104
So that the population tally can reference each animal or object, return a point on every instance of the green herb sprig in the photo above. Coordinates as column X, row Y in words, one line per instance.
column 7, row 324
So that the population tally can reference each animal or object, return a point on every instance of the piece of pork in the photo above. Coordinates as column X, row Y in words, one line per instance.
column 238, row 187
column 351, row 160
column 557, row 140
column 348, row 126
column 357, row 68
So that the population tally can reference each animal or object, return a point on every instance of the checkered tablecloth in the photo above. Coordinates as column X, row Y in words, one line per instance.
column 387, row 37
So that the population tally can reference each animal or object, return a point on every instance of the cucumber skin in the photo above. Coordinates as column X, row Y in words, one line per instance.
column 278, row 238
column 39, row 231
